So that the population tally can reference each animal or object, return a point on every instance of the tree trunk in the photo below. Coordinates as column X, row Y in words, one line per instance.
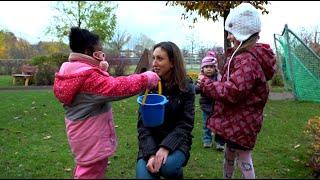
column 222, row 57
column 79, row 21
column 227, row 43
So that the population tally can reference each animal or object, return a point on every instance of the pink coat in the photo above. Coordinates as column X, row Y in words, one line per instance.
column 86, row 93
column 239, row 103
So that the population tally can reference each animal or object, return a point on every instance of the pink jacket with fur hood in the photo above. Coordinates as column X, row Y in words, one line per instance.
column 86, row 92
column 238, row 109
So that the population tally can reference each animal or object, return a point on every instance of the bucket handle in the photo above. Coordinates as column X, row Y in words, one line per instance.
column 147, row 91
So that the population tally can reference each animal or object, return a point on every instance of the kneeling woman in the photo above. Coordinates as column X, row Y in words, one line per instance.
column 165, row 149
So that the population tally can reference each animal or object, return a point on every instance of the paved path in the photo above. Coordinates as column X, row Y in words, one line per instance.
column 280, row 95
column 28, row 88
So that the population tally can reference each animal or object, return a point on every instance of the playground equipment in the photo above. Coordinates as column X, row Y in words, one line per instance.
column 300, row 66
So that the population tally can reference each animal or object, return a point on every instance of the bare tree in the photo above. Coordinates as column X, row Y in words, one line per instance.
column 311, row 38
column 119, row 40
column 143, row 42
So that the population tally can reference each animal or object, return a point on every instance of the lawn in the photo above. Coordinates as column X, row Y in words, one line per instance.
column 33, row 141
column 5, row 81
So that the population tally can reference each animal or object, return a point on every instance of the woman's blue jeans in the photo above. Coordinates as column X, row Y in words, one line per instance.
column 171, row 169
column 207, row 137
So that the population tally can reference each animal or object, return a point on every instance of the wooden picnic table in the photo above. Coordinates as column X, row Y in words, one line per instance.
column 26, row 77
column 28, row 72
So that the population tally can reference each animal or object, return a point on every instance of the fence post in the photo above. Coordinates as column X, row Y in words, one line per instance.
column 290, row 60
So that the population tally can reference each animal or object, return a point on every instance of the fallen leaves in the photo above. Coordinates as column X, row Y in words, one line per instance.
column 296, row 160
column 10, row 130
column 67, row 169
column 47, row 137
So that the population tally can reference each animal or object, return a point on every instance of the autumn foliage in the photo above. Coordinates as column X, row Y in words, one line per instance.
column 12, row 47
column 213, row 9
column 313, row 132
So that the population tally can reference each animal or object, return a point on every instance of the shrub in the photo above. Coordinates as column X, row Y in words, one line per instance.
column 38, row 60
column 313, row 132
column 193, row 75
column 277, row 79
column 45, row 74
column 47, row 66
column 55, row 59
column 10, row 66
column 119, row 66
column 58, row 58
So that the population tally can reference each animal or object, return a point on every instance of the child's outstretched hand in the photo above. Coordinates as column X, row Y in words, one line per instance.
column 104, row 65
column 153, row 79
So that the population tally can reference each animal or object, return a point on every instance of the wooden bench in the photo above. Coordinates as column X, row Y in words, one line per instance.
column 27, row 72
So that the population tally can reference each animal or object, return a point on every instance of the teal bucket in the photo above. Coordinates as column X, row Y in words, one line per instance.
column 152, row 111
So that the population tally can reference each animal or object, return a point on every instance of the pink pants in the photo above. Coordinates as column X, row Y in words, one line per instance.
column 93, row 171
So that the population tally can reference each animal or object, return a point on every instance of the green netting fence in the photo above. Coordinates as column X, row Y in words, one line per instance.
column 300, row 66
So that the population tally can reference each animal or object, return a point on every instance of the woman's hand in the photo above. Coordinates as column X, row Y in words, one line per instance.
column 150, row 165
column 160, row 158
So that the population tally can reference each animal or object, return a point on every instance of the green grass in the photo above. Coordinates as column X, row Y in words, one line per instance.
column 278, row 89
column 33, row 141
column 5, row 80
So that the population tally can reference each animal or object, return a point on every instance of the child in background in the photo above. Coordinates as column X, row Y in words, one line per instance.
column 209, row 68
column 86, row 91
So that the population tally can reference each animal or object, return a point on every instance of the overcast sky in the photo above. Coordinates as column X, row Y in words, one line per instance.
column 28, row 20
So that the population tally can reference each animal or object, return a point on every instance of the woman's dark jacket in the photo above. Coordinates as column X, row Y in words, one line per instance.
column 206, row 103
column 175, row 132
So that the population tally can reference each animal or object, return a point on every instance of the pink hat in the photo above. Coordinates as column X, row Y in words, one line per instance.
column 209, row 60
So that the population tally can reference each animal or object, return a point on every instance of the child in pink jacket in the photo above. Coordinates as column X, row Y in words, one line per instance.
column 86, row 91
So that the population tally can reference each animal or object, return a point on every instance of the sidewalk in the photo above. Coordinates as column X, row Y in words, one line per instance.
column 26, row 88
column 280, row 95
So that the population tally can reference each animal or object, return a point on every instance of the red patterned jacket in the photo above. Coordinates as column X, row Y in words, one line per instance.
column 238, row 109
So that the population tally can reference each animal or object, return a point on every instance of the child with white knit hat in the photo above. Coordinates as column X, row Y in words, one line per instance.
column 242, row 93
